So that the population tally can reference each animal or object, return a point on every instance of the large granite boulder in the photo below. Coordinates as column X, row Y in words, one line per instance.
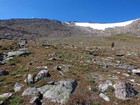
column 60, row 91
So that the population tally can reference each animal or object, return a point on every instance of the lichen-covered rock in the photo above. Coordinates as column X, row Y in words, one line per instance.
column 42, row 74
column 30, row 91
column 124, row 90
column 61, row 91
column 18, row 86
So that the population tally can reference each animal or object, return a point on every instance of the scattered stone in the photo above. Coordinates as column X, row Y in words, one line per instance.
column 17, row 53
column 63, row 67
column 30, row 91
column 30, row 79
column 124, row 90
column 125, row 74
column 104, row 97
column 127, row 67
column 121, row 53
column 18, row 86
column 6, row 95
column 93, row 53
column 42, row 74
column 61, row 91
column 3, row 72
column 104, row 86
column 48, row 46
column 136, row 71
column 22, row 43
column 105, row 65
column 42, row 67
column 52, row 59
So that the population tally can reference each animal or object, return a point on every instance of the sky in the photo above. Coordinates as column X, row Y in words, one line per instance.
column 72, row 10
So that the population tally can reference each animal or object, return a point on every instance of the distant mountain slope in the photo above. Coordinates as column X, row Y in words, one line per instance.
column 45, row 28
column 35, row 28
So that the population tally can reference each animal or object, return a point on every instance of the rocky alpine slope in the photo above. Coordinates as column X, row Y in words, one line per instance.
column 45, row 28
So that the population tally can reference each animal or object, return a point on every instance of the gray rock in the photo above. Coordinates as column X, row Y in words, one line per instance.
column 136, row 71
column 124, row 90
column 42, row 74
column 6, row 95
column 63, row 67
column 121, row 53
column 30, row 91
column 103, row 87
column 22, row 43
column 30, row 79
column 33, row 99
column 18, row 86
column 104, row 97
column 61, row 91
column 45, row 88
column 8, row 58
column 17, row 53
column 127, row 67
column 3, row 72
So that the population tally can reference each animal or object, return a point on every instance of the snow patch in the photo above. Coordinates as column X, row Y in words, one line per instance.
column 103, row 26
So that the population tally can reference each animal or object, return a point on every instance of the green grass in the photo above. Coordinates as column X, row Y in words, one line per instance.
column 16, row 100
column 11, row 62
column 95, row 103
column 72, row 72
column 92, row 80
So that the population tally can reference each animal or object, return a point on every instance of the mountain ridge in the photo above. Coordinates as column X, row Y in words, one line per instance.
column 44, row 28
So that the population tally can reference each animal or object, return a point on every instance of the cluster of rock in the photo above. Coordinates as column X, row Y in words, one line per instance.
column 56, row 91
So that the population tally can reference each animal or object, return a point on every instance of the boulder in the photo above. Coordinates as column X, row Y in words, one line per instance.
column 42, row 74
column 18, row 86
column 61, row 91
column 103, row 87
column 3, row 72
column 30, row 91
column 124, row 90
column 17, row 53
column 30, row 79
